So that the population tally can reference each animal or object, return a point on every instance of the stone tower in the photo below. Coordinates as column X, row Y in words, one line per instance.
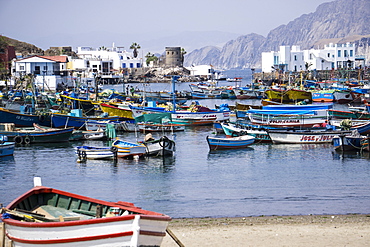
column 173, row 57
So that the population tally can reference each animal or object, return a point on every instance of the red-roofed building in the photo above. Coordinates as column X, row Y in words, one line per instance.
column 49, row 71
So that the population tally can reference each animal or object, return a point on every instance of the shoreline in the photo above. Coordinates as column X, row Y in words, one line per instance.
column 298, row 230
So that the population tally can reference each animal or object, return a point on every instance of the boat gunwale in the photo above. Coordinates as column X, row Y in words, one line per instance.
column 144, row 214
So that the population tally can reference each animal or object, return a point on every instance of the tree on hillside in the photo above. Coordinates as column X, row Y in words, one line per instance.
column 135, row 47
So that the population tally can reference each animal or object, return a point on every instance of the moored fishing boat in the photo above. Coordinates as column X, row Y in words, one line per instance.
column 194, row 116
column 304, row 136
column 122, row 110
column 126, row 149
column 6, row 147
column 64, row 120
column 297, row 95
column 92, row 152
column 350, row 142
column 24, row 120
column 287, row 118
column 277, row 95
column 217, row 143
column 35, row 135
column 233, row 130
column 47, row 216
column 361, row 115
column 159, row 147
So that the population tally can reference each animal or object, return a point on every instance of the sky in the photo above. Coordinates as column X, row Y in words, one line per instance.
column 46, row 23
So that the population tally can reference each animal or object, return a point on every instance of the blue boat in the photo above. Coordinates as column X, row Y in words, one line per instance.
column 6, row 147
column 349, row 142
column 78, row 122
column 23, row 120
column 217, row 143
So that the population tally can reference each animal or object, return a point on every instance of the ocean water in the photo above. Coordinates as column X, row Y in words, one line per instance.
column 264, row 179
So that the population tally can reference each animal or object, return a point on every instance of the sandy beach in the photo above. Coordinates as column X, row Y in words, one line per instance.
column 311, row 230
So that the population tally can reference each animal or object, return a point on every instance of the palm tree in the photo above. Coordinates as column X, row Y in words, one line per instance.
column 135, row 47
column 183, row 52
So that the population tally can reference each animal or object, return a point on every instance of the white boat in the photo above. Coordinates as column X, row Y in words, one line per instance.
column 126, row 149
column 91, row 152
column 304, row 136
column 287, row 118
column 46, row 216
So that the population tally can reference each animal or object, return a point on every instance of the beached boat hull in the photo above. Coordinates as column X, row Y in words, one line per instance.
column 217, row 143
column 72, row 221
column 302, row 137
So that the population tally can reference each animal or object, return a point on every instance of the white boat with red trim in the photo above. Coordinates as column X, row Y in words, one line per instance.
column 45, row 216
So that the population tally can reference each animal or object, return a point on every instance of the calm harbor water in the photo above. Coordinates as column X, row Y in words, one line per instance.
column 264, row 179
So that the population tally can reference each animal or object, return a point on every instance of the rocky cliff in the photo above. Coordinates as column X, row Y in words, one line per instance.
column 333, row 20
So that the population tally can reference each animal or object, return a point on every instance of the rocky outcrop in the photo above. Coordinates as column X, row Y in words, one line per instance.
column 333, row 20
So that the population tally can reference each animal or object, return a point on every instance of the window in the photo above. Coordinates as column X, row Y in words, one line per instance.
column 21, row 68
column 339, row 53
column 131, row 65
column 345, row 53
column 138, row 65
column 124, row 65
column 45, row 68
column 121, row 57
column 351, row 53
column 328, row 54
column 295, row 57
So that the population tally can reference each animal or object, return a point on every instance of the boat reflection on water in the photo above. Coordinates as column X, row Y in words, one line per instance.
column 228, row 153
column 339, row 155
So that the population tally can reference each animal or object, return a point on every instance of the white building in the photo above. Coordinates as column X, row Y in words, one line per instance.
column 48, row 71
column 105, row 60
column 333, row 56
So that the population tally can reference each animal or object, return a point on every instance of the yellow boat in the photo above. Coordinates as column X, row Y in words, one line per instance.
column 119, row 110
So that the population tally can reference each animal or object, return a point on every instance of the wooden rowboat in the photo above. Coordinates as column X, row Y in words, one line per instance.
column 45, row 216
column 127, row 149
column 217, row 143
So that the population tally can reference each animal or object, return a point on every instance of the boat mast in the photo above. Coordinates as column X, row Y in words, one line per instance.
column 174, row 80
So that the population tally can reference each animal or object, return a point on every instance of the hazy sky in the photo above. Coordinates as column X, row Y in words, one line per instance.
column 45, row 22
